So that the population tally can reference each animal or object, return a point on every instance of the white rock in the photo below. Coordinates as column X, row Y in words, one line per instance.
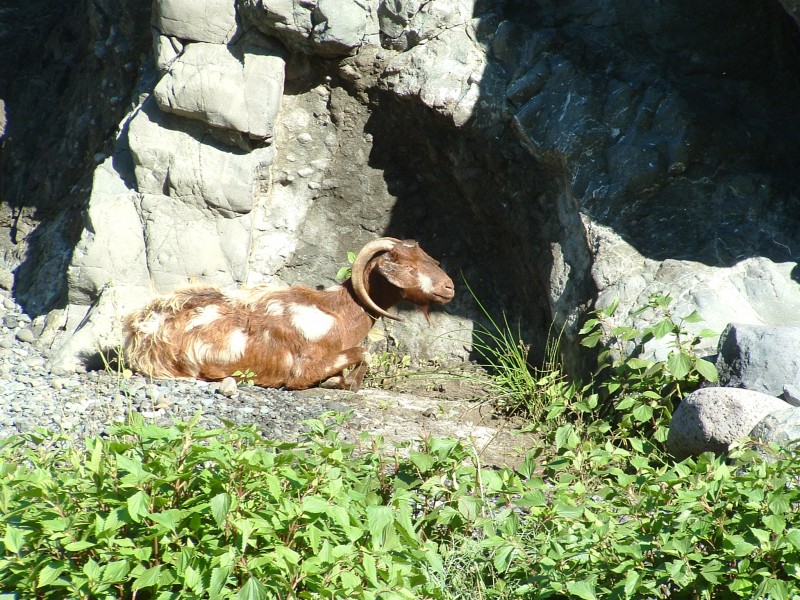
column 90, row 330
column 228, row 387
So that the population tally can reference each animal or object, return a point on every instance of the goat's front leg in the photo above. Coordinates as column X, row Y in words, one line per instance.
column 309, row 372
column 353, row 380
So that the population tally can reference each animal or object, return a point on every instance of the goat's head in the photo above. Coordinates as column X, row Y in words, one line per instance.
column 405, row 266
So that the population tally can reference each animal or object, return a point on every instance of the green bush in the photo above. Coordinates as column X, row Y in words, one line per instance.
column 635, row 393
column 180, row 512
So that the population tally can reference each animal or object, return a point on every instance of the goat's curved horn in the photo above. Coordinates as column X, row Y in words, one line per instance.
column 360, row 263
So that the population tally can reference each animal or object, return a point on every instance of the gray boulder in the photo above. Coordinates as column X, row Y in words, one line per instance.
column 711, row 419
column 781, row 427
column 760, row 358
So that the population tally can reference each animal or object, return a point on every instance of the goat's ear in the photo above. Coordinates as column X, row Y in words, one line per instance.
column 398, row 275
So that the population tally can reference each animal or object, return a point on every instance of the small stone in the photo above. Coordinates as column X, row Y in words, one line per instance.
column 9, row 303
column 70, row 384
column 304, row 138
column 305, row 172
column 57, row 383
column 26, row 335
column 11, row 321
column 6, row 343
column 35, row 363
column 57, row 370
column 6, row 279
column 228, row 387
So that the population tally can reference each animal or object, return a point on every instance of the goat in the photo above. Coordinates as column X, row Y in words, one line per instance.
column 291, row 338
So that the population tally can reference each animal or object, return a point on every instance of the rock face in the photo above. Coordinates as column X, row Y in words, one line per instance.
column 556, row 154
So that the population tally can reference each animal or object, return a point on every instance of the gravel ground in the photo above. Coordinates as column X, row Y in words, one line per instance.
column 31, row 395
column 86, row 404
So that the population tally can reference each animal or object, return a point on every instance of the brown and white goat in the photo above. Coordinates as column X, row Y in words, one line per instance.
column 293, row 337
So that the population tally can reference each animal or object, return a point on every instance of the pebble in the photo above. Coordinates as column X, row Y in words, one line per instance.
column 26, row 335
column 228, row 387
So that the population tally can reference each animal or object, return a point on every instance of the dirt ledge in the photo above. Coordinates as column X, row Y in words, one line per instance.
column 401, row 416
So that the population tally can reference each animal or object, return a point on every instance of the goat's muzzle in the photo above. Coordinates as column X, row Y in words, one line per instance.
column 444, row 292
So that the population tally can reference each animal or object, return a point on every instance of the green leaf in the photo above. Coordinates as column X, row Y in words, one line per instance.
column 254, row 590
column 220, row 505
column 14, row 539
column 370, row 569
column 379, row 519
column 793, row 537
column 219, row 578
column 694, row 317
column 503, row 556
column 679, row 364
column 568, row 511
column 643, row 413
column 712, row 571
column 583, row 589
column 134, row 468
column 147, row 579
column 662, row 328
column 92, row 570
column 591, row 340
column 775, row 523
column 170, row 518
column 115, row 571
column 138, row 506
column 315, row 505
column 637, row 363
column 469, row 507
column 193, row 580
column 588, row 326
column 566, row 437
column 632, row 582
column 611, row 308
column 707, row 369
column 49, row 574
column 97, row 456
column 349, row 580
column 78, row 546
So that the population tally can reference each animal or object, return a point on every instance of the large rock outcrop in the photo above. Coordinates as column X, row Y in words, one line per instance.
column 556, row 154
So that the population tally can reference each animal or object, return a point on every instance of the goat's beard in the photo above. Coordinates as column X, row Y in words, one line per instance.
column 425, row 309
